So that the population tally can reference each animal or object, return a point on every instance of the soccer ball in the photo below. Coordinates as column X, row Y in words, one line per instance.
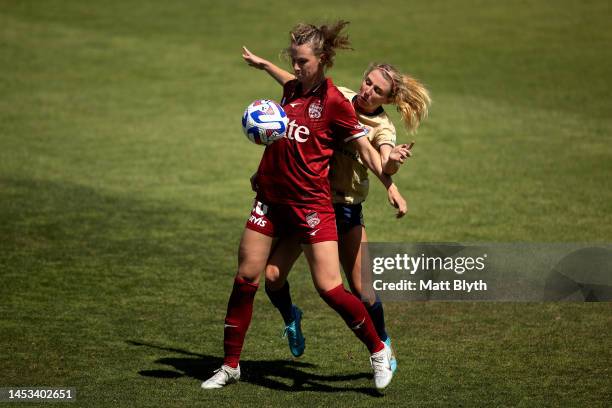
column 264, row 121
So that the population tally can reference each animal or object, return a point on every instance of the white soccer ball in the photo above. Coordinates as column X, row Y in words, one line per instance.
column 264, row 121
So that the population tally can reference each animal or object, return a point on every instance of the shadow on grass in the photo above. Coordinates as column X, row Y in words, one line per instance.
column 66, row 223
column 263, row 373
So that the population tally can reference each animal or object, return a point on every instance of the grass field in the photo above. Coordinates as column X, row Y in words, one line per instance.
column 124, row 190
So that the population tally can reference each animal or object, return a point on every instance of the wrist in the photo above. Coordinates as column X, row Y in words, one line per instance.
column 390, row 169
column 389, row 183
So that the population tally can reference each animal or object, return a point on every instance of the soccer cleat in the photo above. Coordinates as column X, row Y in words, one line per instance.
column 222, row 377
column 381, row 365
column 293, row 332
column 393, row 360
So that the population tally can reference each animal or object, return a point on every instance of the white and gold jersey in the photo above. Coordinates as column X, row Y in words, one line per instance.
column 348, row 175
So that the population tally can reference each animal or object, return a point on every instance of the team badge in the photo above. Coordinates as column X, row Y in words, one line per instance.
column 260, row 208
column 315, row 109
column 313, row 219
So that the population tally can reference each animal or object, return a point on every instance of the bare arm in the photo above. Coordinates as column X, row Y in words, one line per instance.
column 372, row 160
column 280, row 75
column 393, row 157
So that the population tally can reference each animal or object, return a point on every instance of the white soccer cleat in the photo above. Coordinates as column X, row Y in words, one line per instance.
column 381, row 364
column 223, row 376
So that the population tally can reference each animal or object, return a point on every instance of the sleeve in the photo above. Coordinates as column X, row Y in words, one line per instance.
column 344, row 123
column 384, row 135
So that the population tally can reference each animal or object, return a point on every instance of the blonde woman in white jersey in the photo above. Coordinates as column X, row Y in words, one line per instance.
column 382, row 84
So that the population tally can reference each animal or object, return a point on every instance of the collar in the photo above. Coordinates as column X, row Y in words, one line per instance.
column 313, row 91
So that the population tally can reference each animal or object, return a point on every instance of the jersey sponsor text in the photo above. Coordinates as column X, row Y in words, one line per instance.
column 296, row 132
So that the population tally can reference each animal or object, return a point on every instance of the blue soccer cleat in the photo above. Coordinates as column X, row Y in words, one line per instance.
column 293, row 332
column 393, row 360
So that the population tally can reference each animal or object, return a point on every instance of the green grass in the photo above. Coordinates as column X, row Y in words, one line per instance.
column 124, row 190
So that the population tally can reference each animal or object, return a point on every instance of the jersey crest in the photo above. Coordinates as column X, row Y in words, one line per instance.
column 315, row 109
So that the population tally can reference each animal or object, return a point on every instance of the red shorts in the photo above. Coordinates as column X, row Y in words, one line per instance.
column 278, row 220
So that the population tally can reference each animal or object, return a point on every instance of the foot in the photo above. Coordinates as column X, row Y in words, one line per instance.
column 382, row 367
column 393, row 360
column 223, row 376
column 293, row 331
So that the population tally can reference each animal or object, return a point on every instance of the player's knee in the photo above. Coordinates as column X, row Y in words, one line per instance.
column 272, row 273
column 273, row 278
column 249, row 271
column 324, row 285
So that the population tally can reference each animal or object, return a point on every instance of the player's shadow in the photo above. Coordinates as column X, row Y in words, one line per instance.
column 269, row 374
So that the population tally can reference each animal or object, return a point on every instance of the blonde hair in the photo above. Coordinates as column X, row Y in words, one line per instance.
column 324, row 40
column 409, row 96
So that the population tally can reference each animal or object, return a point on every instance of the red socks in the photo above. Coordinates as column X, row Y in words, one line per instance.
column 237, row 319
column 355, row 315
column 240, row 311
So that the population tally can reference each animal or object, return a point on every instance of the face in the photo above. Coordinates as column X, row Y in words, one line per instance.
column 375, row 91
column 306, row 65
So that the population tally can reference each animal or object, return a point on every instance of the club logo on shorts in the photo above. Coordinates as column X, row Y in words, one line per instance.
column 315, row 109
column 260, row 208
column 257, row 215
column 313, row 219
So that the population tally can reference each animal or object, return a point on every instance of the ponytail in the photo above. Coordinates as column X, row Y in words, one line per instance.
column 409, row 96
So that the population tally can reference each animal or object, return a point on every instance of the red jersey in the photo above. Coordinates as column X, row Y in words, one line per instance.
column 294, row 169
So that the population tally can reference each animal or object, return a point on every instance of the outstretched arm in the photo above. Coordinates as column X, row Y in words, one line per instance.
column 280, row 75
column 371, row 159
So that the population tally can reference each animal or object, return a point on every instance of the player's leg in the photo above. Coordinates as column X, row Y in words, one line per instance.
column 284, row 254
column 253, row 253
column 325, row 269
column 352, row 252
column 351, row 234
column 351, row 255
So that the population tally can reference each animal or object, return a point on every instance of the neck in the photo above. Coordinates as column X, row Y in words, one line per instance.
column 310, row 85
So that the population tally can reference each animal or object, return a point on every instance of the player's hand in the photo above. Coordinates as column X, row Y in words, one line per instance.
column 397, row 201
column 253, row 181
column 252, row 59
column 401, row 152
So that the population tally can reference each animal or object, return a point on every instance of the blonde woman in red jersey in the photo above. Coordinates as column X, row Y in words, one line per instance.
column 294, row 199
column 381, row 84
